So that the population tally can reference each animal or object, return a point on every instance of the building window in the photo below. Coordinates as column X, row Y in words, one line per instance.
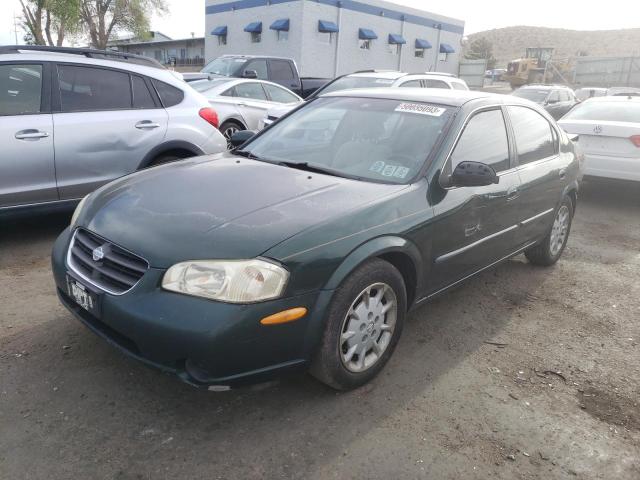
column 394, row 49
column 158, row 55
column 256, row 37
column 365, row 44
column 443, row 57
column 222, row 39
column 419, row 52
column 283, row 35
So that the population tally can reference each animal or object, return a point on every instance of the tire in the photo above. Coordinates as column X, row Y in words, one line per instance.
column 228, row 128
column 339, row 362
column 549, row 250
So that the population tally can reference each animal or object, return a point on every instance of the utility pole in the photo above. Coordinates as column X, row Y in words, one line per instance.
column 15, row 26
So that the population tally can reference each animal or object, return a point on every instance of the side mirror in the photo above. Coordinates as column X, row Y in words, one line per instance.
column 473, row 174
column 240, row 137
column 250, row 74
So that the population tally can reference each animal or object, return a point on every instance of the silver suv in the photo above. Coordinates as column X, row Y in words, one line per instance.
column 74, row 119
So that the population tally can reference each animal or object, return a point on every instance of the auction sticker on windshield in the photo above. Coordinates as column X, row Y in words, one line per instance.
column 421, row 108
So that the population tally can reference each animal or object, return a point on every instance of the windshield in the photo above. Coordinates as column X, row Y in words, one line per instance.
column 347, row 83
column 226, row 66
column 628, row 111
column 204, row 85
column 537, row 96
column 370, row 139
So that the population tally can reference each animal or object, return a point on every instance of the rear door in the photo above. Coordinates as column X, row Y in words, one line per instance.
column 476, row 225
column 252, row 102
column 542, row 171
column 282, row 72
column 106, row 122
column 27, row 171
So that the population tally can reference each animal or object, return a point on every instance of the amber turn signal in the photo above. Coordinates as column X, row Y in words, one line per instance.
column 284, row 317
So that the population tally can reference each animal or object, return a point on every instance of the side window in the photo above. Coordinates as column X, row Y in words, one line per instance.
column 260, row 66
column 436, row 84
column 250, row 90
column 169, row 95
column 230, row 92
column 484, row 139
column 554, row 96
column 281, row 72
column 534, row 140
column 565, row 96
column 412, row 84
column 93, row 89
column 20, row 89
column 279, row 95
column 459, row 86
column 141, row 95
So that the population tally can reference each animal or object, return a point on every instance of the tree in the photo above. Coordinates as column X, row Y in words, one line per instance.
column 103, row 18
column 481, row 48
column 45, row 19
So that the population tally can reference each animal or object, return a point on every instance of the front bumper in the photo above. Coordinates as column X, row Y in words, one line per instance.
column 202, row 341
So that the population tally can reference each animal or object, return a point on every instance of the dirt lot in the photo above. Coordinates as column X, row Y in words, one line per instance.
column 557, row 398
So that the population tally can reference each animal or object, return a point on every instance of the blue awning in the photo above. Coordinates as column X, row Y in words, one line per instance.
column 420, row 43
column 395, row 39
column 254, row 27
column 366, row 34
column 446, row 48
column 326, row 26
column 219, row 31
column 282, row 25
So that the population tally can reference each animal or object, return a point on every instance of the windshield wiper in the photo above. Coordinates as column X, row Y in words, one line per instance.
column 310, row 167
column 246, row 154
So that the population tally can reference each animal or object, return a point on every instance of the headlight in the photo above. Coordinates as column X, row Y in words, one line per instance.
column 234, row 281
column 77, row 211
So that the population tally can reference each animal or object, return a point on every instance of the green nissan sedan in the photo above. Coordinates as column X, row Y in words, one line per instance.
column 304, row 247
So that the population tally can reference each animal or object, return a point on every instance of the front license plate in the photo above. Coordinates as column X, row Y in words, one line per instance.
column 82, row 296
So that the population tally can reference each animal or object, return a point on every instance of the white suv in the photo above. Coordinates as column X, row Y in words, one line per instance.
column 74, row 119
column 375, row 79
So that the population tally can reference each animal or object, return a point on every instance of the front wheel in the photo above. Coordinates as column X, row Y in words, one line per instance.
column 363, row 325
column 548, row 251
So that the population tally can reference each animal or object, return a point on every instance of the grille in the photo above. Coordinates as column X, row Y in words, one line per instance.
column 114, row 270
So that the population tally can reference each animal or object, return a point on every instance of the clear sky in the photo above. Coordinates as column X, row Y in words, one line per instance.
column 186, row 16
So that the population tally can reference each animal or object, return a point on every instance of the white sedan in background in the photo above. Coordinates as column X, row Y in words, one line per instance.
column 242, row 103
column 608, row 130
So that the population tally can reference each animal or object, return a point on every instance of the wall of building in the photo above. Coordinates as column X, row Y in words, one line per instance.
column 311, row 49
column 193, row 49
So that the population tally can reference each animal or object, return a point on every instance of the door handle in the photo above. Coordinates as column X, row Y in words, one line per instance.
column 146, row 124
column 30, row 134
column 242, row 104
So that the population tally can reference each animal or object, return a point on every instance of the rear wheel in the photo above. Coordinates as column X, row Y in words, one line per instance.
column 548, row 251
column 228, row 128
column 363, row 325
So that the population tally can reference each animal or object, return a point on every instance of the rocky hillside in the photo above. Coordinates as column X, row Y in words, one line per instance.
column 511, row 42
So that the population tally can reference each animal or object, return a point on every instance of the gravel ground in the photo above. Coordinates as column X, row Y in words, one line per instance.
column 554, row 396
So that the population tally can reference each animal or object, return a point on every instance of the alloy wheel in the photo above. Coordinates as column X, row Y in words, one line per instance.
column 559, row 230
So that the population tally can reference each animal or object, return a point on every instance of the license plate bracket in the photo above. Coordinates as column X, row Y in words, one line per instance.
column 83, row 296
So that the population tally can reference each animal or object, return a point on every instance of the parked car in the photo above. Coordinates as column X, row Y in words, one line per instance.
column 353, row 209
column 74, row 119
column 556, row 99
column 282, row 71
column 585, row 93
column 623, row 91
column 376, row 79
column 608, row 130
column 241, row 104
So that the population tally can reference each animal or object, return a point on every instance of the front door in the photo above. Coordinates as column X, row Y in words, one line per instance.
column 27, row 172
column 476, row 226
column 107, row 122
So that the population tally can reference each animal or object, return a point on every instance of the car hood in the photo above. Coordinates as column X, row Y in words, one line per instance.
column 220, row 206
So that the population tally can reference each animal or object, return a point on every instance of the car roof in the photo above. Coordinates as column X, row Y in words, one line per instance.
column 389, row 74
column 234, row 55
column 39, row 56
column 455, row 98
column 543, row 86
column 223, row 83
column 614, row 98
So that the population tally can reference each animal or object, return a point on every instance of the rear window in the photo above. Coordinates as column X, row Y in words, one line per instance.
column 93, row 89
column 169, row 95
column 20, row 87
column 141, row 95
column 627, row 111
column 531, row 94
